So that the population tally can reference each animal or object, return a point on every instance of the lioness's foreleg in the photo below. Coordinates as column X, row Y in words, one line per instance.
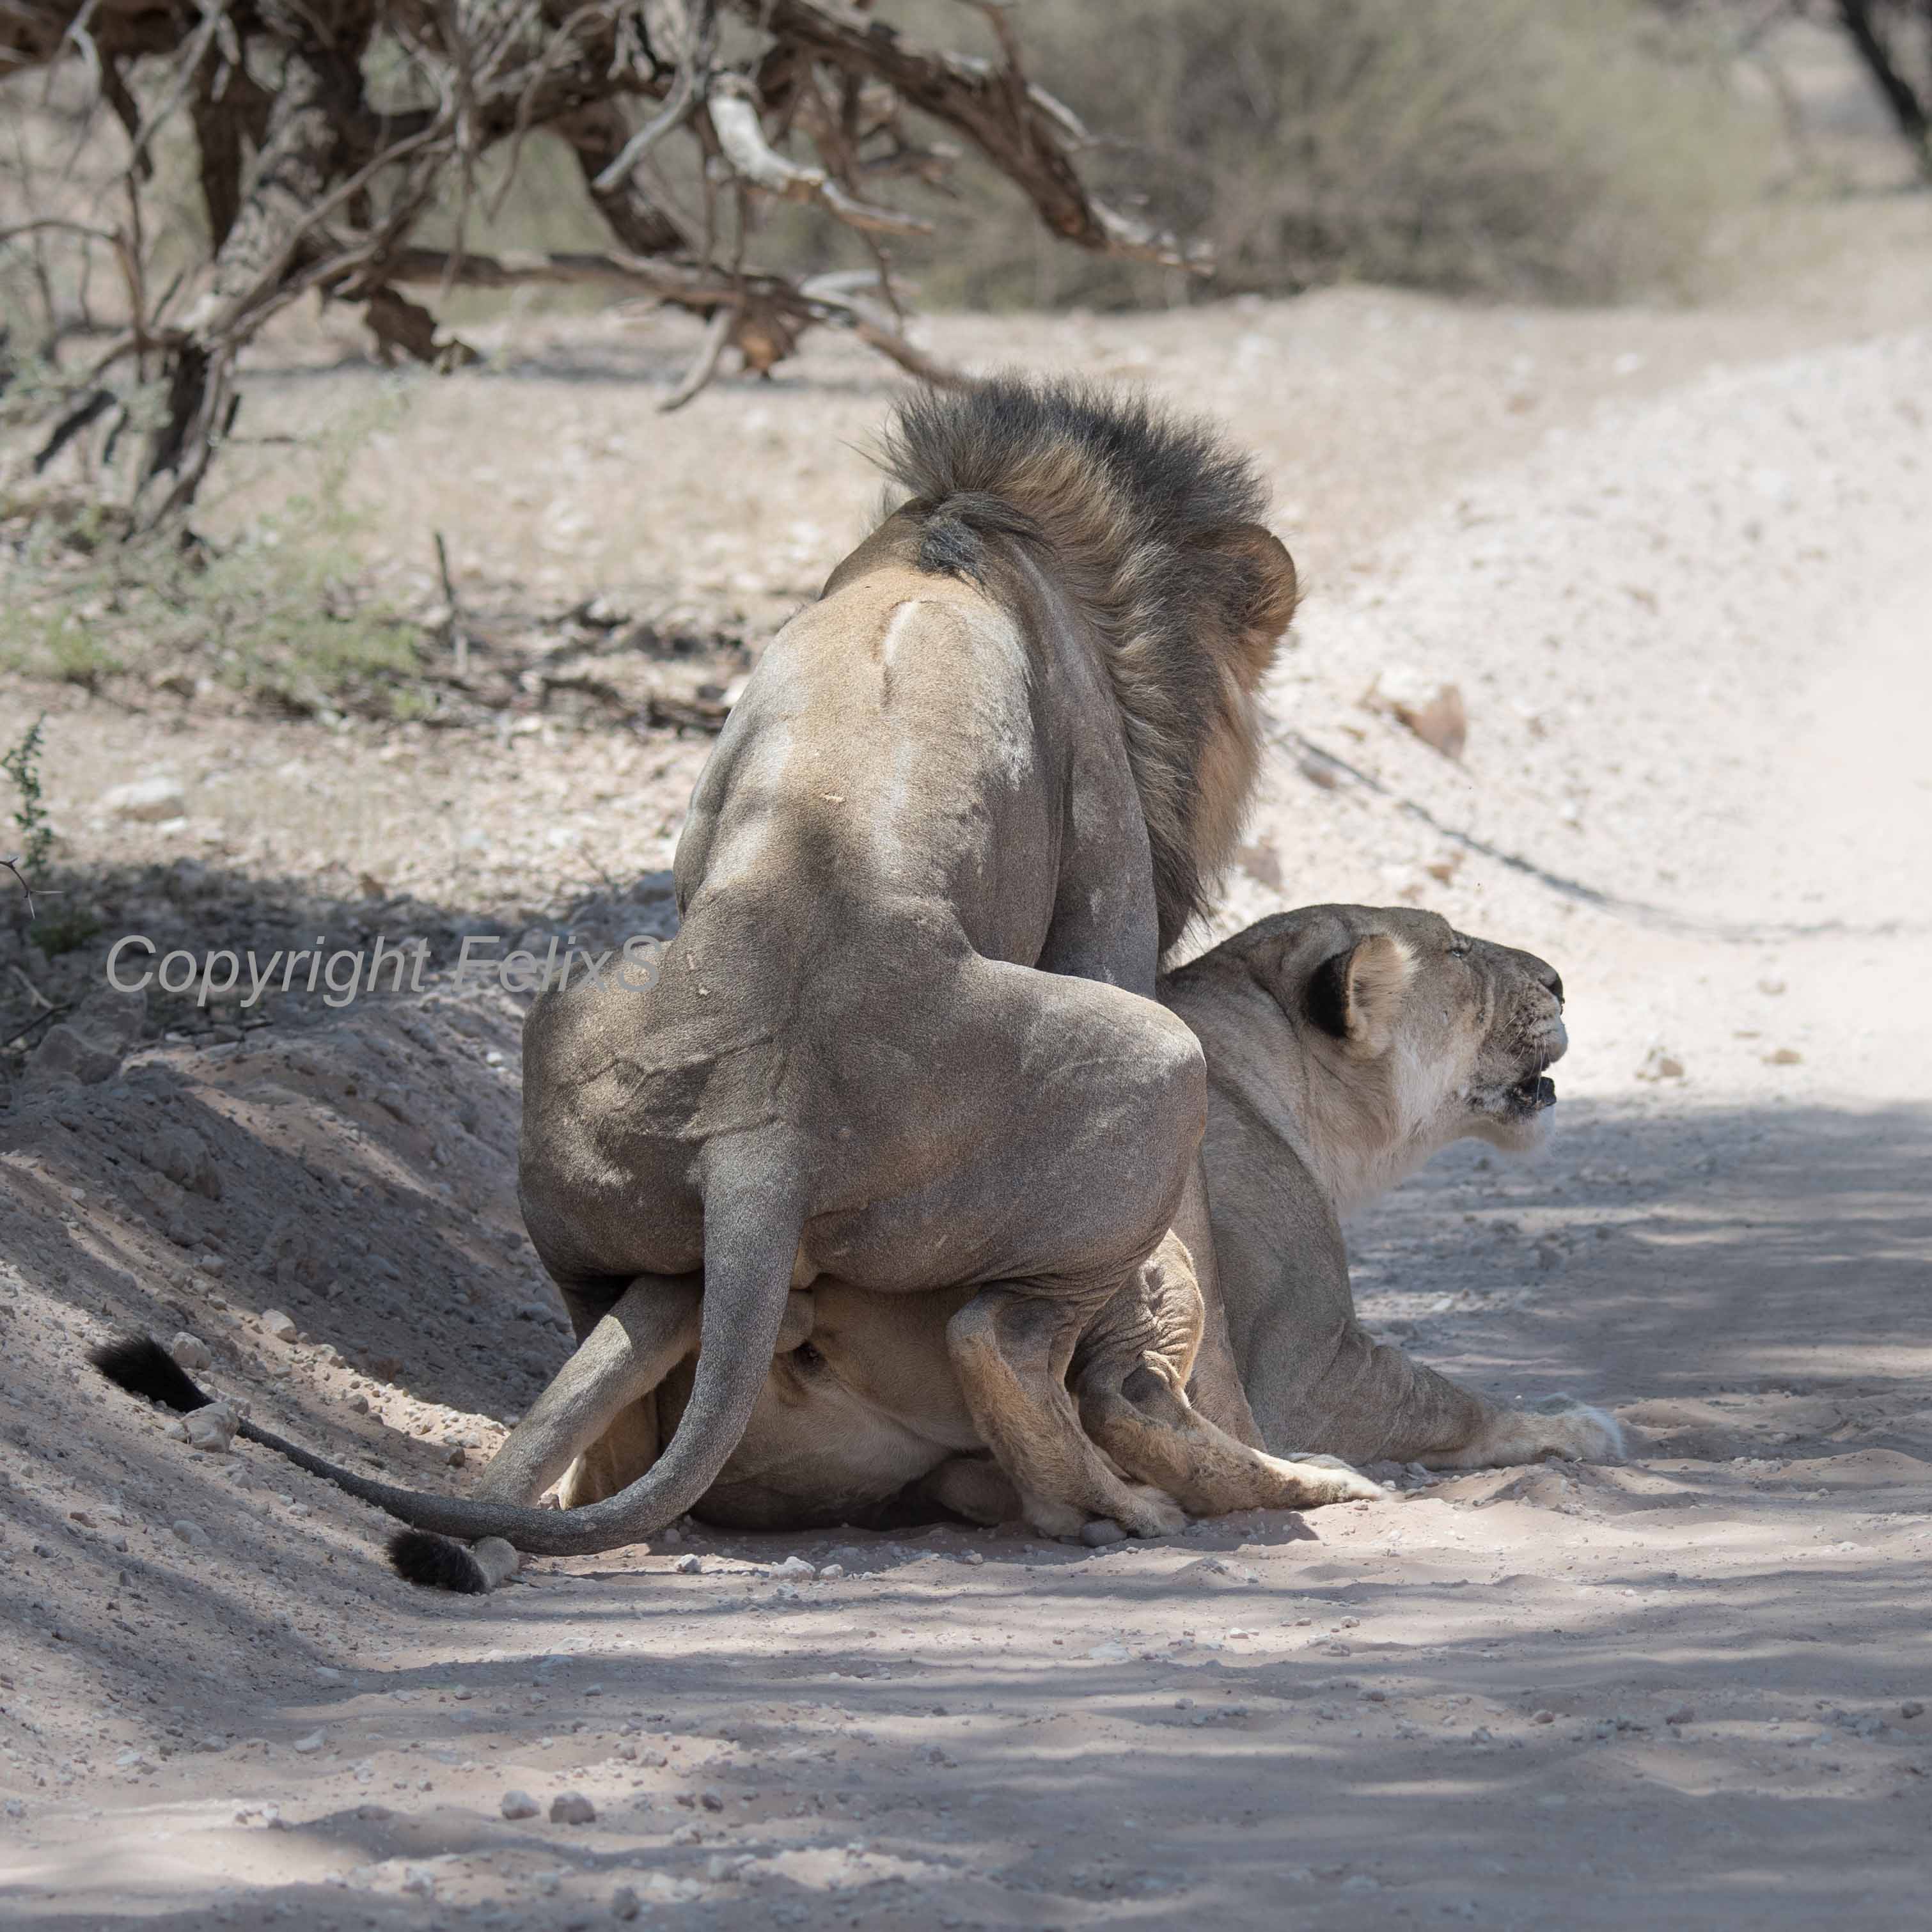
column 1130, row 1380
column 1368, row 1402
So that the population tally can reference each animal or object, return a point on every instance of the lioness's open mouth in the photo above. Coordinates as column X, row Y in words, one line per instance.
column 1534, row 1092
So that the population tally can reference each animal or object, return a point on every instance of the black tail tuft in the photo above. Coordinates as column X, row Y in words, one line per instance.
column 436, row 1563
column 141, row 1366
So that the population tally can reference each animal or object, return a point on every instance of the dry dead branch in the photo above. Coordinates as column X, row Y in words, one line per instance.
column 310, row 184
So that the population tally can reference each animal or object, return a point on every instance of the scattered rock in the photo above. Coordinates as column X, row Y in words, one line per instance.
column 1262, row 863
column 191, row 1352
column 690, row 1566
column 1542, row 1717
column 1683, row 1714
column 518, row 1804
column 182, row 1155
column 1784, row 1056
column 624, row 1904
column 1433, row 710
column 571, row 1808
column 191, row 1533
column 211, row 1427
column 145, row 800
column 795, row 1567
column 66, row 1057
column 1100, row 1532
column 308, row 1746
column 282, row 1326
column 1659, row 1065
column 1912, row 1708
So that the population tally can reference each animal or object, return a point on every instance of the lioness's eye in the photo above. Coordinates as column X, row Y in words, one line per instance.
column 1459, row 946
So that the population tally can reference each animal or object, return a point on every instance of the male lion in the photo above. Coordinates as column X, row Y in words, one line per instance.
column 1345, row 1045
column 905, row 1036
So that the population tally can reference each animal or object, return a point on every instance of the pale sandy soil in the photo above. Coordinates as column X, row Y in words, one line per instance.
column 1678, row 564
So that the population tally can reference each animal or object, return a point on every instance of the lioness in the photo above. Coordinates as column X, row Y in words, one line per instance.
column 1345, row 1045
column 905, row 1035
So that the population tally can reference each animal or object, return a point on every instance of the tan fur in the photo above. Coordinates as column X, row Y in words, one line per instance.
column 1305, row 1123
column 1191, row 608
column 1314, row 1111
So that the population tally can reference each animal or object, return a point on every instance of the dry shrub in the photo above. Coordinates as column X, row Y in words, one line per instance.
column 1566, row 149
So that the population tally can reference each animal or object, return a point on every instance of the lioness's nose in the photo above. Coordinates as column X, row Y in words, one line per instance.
column 1551, row 978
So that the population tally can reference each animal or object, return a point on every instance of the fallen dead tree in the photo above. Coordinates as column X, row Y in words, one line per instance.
column 325, row 135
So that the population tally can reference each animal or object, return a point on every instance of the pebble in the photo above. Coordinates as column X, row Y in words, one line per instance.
column 571, row 1808
column 519, row 1804
column 1433, row 710
column 212, row 1427
column 1542, row 1717
column 191, row 1533
column 1683, row 1714
column 690, row 1566
column 191, row 1352
column 1101, row 1532
column 624, row 1904
column 1912, row 1708
column 282, row 1326
column 308, row 1746
column 795, row 1567
column 146, row 799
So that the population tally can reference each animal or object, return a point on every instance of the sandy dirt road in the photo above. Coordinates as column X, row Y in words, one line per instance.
column 1690, row 621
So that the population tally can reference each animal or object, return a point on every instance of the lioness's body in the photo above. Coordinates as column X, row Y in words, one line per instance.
column 1304, row 1127
column 1344, row 1046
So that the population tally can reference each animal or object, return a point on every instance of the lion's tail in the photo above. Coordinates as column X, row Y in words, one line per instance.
column 753, row 1214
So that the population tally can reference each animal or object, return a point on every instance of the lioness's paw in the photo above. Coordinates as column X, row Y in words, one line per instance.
column 1578, row 1433
column 1322, row 1480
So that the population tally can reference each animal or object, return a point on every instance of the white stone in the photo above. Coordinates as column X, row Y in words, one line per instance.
column 153, row 798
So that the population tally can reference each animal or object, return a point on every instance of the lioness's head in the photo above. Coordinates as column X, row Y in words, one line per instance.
column 1401, row 1035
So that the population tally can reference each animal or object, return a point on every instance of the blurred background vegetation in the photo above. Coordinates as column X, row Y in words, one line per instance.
column 1558, row 151
column 1563, row 149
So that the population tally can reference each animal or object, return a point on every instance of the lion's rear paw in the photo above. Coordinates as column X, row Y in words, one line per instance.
column 1058, row 1519
column 1154, row 1513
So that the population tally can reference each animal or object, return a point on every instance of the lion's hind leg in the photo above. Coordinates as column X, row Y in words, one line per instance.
column 1010, row 1348
column 1130, row 1380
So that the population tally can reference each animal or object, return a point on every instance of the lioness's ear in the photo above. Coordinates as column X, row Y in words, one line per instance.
column 1356, row 994
column 1269, row 591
